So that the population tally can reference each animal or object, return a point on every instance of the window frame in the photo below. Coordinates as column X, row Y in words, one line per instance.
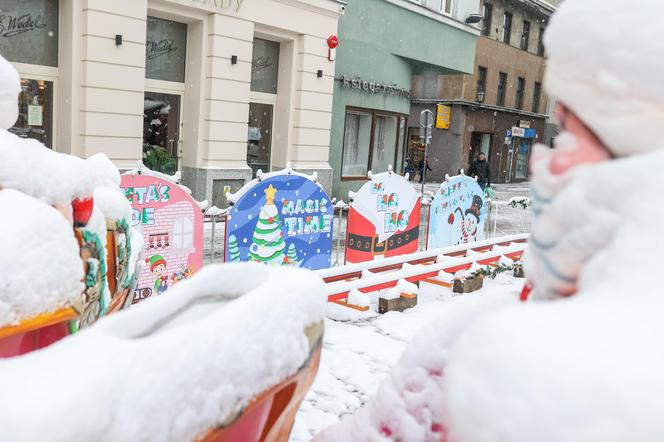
column 502, row 89
column 525, row 36
column 507, row 27
column 537, row 97
column 482, row 74
column 486, row 19
column 520, row 92
column 540, row 43
column 443, row 5
column 373, row 113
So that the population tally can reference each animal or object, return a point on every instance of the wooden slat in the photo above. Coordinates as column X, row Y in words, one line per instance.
column 39, row 321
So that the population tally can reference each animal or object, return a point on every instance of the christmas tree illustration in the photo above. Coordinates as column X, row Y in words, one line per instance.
column 233, row 249
column 291, row 258
column 268, row 242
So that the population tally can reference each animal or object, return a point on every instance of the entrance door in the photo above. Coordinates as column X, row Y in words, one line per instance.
column 479, row 142
column 259, row 138
column 522, row 147
column 161, row 131
column 35, row 111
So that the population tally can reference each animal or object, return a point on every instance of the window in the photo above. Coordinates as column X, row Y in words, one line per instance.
column 446, row 6
column 481, row 84
column 507, row 28
column 537, row 96
column 29, row 31
column 525, row 35
column 165, row 50
column 183, row 235
column 487, row 12
column 502, row 89
column 35, row 111
column 540, row 46
column 372, row 141
column 521, row 85
column 265, row 66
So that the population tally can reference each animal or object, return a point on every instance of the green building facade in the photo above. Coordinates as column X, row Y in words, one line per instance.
column 382, row 45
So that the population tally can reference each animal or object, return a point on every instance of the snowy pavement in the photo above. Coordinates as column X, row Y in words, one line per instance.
column 357, row 356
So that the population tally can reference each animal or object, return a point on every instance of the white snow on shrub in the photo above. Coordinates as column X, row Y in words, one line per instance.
column 171, row 367
column 506, row 261
column 40, row 266
column 358, row 298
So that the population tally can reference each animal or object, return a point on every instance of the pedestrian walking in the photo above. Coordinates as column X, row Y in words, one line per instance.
column 420, row 167
column 480, row 169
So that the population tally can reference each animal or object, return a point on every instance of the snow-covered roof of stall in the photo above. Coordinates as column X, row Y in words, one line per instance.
column 40, row 265
column 261, row 176
column 171, row 367
column 54, row 178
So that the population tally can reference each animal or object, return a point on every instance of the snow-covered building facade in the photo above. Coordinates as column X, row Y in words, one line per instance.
column 215, row 88
column 501, row 109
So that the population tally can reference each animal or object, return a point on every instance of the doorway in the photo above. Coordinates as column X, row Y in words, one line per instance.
column 259, row 138
column 161, row 131
column 522, row 146
column 35, row 111
column 479, row 142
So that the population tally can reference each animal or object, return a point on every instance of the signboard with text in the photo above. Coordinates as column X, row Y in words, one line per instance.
column 383, row 219
column 443, row 116
column 285, row 219
column 172, row 227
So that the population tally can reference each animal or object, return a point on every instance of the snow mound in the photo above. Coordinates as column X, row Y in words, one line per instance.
column 197, row 355
column 54, row 178
column 359, row 299
column 402, row 286
column 40, row 262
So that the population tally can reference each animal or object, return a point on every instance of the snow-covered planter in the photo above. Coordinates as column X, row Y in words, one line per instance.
column 468, row 284
column 399, row 298
column 517, row 270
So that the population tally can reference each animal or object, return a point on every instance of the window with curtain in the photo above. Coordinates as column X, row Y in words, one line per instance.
column 357, row 136
column 385, row 142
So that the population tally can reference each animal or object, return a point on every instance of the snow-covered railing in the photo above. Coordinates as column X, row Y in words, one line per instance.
column 355, row 270
column 418, row 266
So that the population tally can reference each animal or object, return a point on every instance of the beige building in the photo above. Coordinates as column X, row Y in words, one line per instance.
column 214, row 88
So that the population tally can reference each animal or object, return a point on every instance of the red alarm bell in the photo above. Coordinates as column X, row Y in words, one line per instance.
column 332, row 43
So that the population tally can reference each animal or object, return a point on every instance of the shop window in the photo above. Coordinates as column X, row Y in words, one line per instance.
column 372, row 141
column 165, row 50
column 265, row 66
column 161, row 131
column 525, row 35
column 35, row 111
column 507, row 28
column 520, row 87
column 537, row 96
column 259, row 139
column 29, row 31
column 487, row 13
column 502, row 89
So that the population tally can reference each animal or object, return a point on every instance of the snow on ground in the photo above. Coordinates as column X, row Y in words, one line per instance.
column 357, row 356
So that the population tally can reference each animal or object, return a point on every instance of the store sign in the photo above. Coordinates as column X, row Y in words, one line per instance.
column 285, row 219
column 524, row 124
column 383, row 220
column 458, row 213
column 518, row 132
column 235, row 5
column 443, row 116
column 373, row 87
column 172, row 227
column 29, row 31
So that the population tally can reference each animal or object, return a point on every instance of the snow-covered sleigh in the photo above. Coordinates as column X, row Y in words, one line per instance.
column 226, row 356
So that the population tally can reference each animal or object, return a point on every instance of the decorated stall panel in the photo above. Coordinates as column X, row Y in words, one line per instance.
column 458, row 213
column 283, row 219
column 384, row 219
column 172, row 227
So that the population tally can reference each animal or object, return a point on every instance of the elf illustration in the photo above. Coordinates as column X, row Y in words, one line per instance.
column 158, row 268
column 470, row 219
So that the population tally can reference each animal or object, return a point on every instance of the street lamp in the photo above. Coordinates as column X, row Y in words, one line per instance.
column 480, row 96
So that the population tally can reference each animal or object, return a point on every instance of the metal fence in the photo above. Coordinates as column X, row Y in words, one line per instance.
column 504, row 218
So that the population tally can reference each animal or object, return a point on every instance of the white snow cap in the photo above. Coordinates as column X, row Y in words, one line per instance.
column 10, row 87
column 41, row 270
column 602, row 65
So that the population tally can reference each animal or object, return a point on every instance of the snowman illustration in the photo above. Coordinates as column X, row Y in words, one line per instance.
column 470, row 219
